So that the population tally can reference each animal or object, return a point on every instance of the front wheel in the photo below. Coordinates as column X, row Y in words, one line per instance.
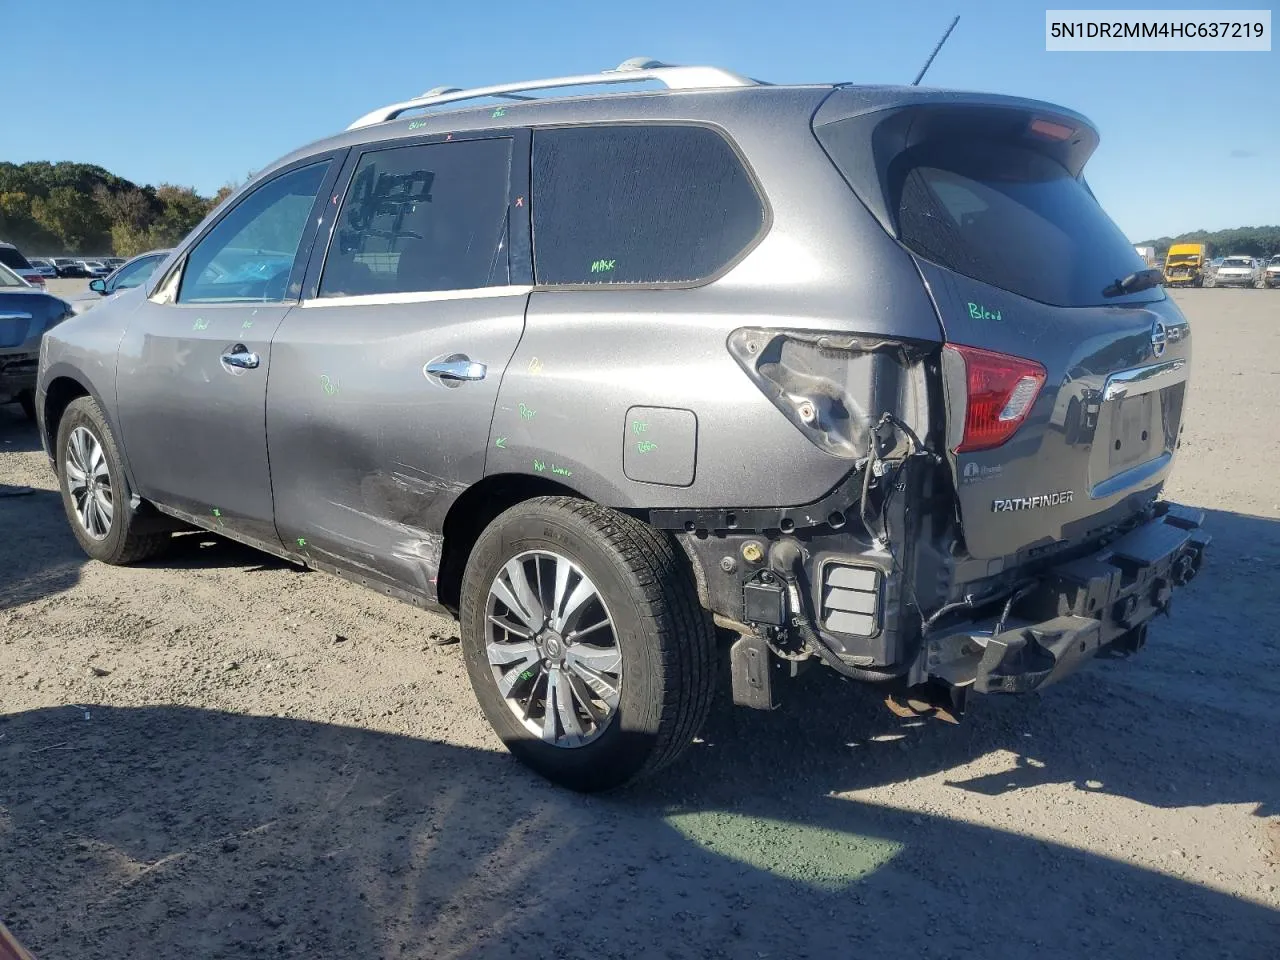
column 585, row 642
column 94, row 491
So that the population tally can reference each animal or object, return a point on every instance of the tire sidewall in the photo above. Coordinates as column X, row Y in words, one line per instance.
column 624, row 747
column 87, row 415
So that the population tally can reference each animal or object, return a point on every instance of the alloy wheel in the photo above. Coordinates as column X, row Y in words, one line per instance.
column 553, row 648
column 89, row 483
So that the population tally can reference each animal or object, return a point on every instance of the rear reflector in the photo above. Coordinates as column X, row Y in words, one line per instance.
column 1000, row 393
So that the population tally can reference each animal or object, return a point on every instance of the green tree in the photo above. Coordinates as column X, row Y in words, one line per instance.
column 182, row 209
column 77, row 225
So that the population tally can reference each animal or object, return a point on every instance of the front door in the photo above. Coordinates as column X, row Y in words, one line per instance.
column 384, row 380
column 191, row 379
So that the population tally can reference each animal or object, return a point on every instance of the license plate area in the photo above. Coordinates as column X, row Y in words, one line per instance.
column 1133, row 432
column 1130, row 434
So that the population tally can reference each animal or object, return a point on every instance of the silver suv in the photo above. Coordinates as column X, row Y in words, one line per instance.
column 638, row 385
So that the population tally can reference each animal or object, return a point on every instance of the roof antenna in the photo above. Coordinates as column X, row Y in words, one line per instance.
column 927, row 63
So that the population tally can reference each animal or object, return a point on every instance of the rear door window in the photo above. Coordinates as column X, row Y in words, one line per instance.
column 639, row 204
column 422, row 218
column 1010, row 217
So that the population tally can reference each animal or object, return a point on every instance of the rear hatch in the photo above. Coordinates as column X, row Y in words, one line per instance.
column 1063, row 396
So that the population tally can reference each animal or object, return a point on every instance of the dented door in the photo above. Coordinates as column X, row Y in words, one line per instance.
column 384, row 380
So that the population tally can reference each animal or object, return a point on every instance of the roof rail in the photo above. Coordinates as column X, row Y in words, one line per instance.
column 634, row 70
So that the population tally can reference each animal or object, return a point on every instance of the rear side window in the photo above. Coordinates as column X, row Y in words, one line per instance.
column 423, row 218
column 1011, row 217
column 10, row 257
column 639, row 204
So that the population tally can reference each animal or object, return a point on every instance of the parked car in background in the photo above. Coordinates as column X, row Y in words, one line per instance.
column 131, row 274
column 95, row 268
column 1234, row 272
column 762, row 384
column 1270, row 276
column 68, row 267
column 45, row 266
column 26, row 312
column 113, row 262
column 11, row 257
column 1186, row 264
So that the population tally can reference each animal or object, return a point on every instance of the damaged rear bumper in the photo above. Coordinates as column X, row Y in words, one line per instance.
column 1075, row 610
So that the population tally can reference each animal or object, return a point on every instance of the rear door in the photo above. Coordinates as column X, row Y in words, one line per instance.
column 383, row 382
column 192, row 368
column 1022, row 264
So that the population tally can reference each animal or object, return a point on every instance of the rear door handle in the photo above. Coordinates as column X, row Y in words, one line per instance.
column 456, row 367
column 240, row 356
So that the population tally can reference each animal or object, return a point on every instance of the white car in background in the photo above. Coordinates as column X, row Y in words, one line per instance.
column 1234, row 272
column 1270, row 274
column 95, row 268
column 11, row 257
column 131, row 273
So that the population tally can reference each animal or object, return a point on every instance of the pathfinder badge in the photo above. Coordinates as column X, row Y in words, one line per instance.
column 1033, row 503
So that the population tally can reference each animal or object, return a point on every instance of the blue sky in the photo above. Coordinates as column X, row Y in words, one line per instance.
column 203, row 93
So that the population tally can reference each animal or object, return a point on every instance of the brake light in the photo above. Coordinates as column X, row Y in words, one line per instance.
column 36, row 278
column 1000, row 391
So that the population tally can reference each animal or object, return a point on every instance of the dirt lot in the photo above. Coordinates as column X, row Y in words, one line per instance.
column 217, row 755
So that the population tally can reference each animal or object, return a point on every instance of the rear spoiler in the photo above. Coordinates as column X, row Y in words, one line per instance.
column 865, row 129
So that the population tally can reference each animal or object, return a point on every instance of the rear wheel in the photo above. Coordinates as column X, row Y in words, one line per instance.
column 94, row 492
column 585, row 642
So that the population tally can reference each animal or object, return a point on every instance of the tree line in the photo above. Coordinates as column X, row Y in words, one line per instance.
column 1247, row 241
column 53, row 209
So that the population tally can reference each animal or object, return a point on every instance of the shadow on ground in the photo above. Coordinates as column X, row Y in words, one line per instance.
column 172, row 832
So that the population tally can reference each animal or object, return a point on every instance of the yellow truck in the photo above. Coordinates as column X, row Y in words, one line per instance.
column 1185, row 265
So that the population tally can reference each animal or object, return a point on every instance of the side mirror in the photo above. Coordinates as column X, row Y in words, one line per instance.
column 98, row 286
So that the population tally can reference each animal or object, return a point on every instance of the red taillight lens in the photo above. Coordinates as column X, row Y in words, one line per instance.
column 36, row 278
column 1001, row 390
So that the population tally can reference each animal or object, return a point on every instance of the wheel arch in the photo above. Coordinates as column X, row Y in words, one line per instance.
column 474, row 510
column 59, row 394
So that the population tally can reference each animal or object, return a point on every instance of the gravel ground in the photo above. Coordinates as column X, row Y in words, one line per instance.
column 218, row 755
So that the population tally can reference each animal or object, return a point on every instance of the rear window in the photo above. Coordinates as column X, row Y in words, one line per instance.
column 1011, row 217
column 639, row 204
column 10, row 257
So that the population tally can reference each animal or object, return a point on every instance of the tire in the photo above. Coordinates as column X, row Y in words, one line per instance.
column 27, row 401
column 118, row 539
column 663, row 638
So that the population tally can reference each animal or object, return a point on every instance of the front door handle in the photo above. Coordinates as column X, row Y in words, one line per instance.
column 240, row 356
column 456, row 367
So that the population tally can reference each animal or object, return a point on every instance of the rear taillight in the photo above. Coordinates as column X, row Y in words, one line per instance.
column 1000, row 390
column 36, row 278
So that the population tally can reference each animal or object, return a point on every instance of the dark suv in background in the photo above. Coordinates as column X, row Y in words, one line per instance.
column 861, row 376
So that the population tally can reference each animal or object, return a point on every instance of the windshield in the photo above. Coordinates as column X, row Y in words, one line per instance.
column 1184, row 258
column 10, row 279
column 1237, row 262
